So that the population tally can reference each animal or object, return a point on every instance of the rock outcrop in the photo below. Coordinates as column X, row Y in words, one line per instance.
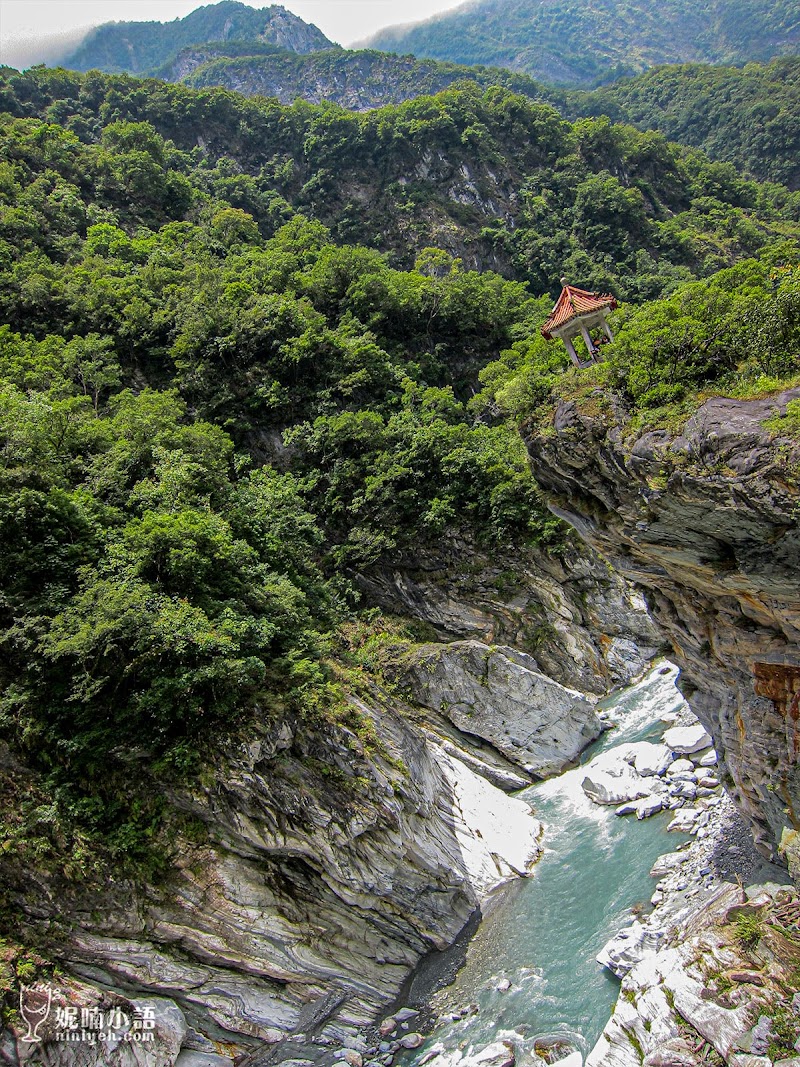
column 709, row 974
column 704, row 520
column 586, row 627
column 358, row 81
column 501, row 696
column 84, row 1026
column 322, row 874
column 714, row 986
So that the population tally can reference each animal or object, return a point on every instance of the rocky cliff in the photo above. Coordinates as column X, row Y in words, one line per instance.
column 357, row 81
column 318, row 874
column 718, row 984
column 703, row 518
column 584, row 625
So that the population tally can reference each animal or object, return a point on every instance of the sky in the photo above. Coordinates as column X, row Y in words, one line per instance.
column 36, row 31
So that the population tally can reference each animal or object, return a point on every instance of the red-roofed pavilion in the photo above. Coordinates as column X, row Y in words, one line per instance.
column 577, row 311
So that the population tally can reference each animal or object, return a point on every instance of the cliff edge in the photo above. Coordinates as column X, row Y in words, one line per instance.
column 702, row 516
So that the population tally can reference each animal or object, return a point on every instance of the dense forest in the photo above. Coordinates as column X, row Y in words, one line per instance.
column 236, row 371
column 573, row 43
column 749, row 116
column 743, row 115
column 492, row 178
column 746, row 116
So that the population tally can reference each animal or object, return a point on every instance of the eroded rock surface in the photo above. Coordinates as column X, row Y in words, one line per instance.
column 705, row 522
column 699, row 988
column 586, row 627
column 500, row 695
column 325, row 873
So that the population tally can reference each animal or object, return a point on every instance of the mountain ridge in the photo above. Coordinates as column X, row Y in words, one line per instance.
column 744, row 116
column 572, row 43
column 143, row 47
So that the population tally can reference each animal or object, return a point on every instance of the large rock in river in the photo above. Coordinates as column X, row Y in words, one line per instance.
column 687, row 739
column 500, row 695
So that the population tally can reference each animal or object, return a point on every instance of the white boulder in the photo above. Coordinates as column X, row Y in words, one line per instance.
column 684, row 790
column 648, row 806
column 612, row 777
column 687, row 739
column 681, row 766
column 685, row 821
column 605, row 788
column 648, row 758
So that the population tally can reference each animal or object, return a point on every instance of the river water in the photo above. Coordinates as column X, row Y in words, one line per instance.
column 543, row 933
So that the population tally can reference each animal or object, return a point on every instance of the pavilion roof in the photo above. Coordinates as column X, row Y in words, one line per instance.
column 572, row 304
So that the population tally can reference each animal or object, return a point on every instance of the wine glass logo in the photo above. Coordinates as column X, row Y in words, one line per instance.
column 34, row 1007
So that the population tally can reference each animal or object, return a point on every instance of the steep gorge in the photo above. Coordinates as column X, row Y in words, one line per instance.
column 317, row 855
column 703, row 518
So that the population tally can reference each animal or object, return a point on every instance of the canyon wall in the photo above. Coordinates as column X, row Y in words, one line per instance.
column 320, row 869
column 585, row 626
column 703, row 518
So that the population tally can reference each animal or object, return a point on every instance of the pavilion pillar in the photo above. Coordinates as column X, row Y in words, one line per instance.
column 587, row 341
column 607, row 329
column 573, row 355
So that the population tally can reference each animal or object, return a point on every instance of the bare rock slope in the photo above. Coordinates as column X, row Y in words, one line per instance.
column 323, row 872
column 501, row 696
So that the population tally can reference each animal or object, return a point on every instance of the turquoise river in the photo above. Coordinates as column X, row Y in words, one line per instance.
column 542, row 933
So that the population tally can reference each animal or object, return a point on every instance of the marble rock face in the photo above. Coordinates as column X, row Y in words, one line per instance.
column 500, row 695
column 308, row 901
column 627, row 773
column 704, row 520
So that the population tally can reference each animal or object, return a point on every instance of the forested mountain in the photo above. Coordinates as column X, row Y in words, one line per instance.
column 235, row 372
column 750, row 116
column 142, row 47
column 746, row 116
column 570, row 42
column 487, row 175
column 356, row 80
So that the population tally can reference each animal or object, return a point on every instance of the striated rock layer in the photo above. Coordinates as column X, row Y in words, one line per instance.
column 318, row 874
column 704, row 520
column 501, row 696
column 585, row 626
